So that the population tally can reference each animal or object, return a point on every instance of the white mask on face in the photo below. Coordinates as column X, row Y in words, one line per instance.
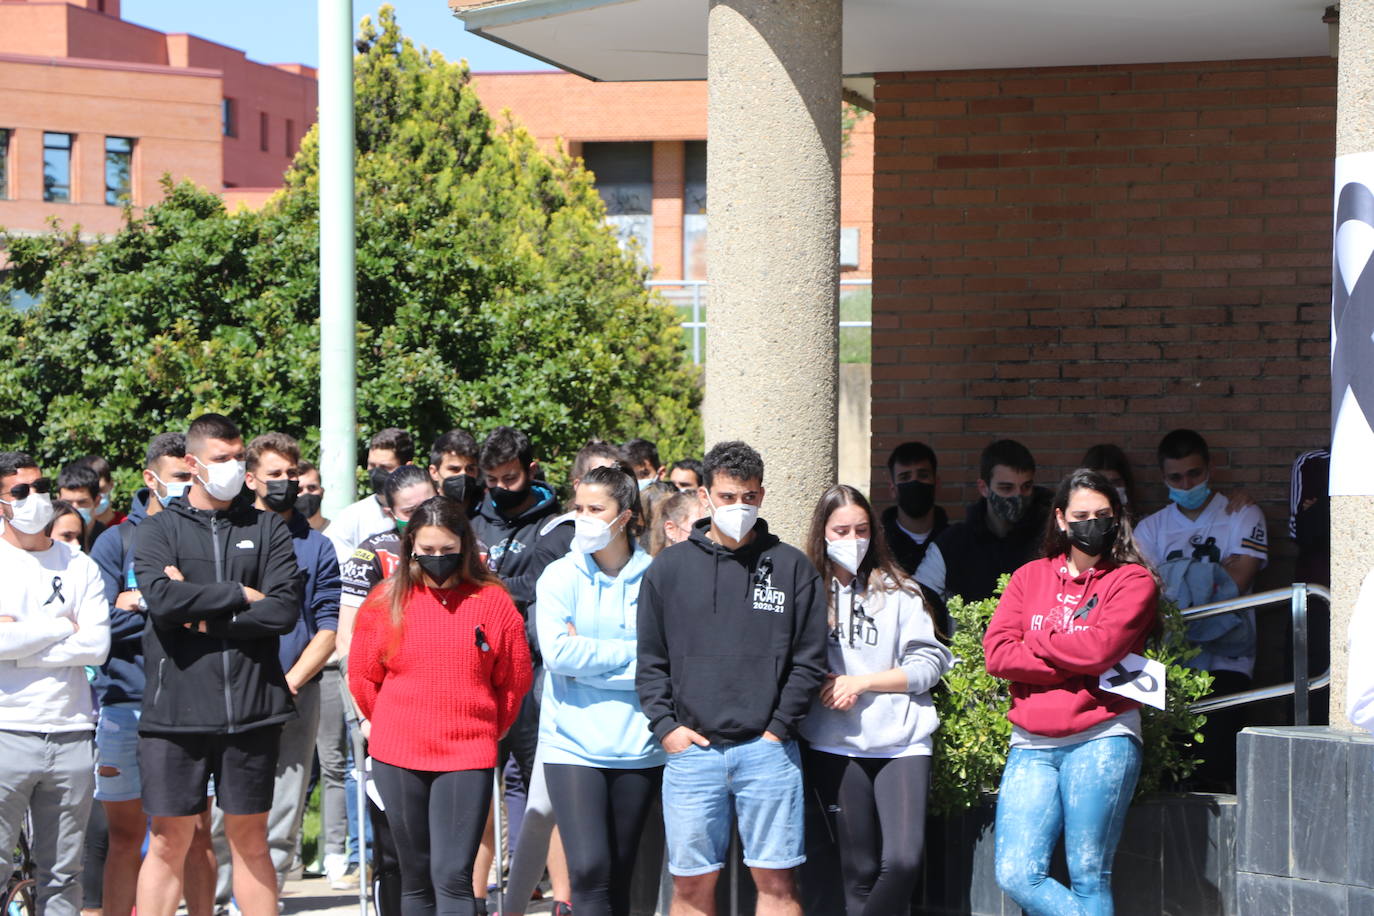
column 735, row 520
column 31, row 514
column 848, row 553
column 223, row 479
column 590, row 534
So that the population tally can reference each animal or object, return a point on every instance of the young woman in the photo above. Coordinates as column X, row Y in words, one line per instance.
column 601, row 763
column 1075, row 747
column 438, row 665
column 870, row 727
column 67, row 525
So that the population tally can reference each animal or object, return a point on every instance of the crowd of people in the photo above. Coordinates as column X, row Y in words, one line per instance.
column 644, row 657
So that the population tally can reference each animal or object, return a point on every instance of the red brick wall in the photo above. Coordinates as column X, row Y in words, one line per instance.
column 1075, row 255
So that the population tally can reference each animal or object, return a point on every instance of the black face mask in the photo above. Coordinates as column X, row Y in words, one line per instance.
column 915, row 497
column 505, row 500
column 1008, row 508
column 462, row 488
column 1093, row 536
column 281, row 494
column 377, row 478
column 308, row 504
column 440, row 567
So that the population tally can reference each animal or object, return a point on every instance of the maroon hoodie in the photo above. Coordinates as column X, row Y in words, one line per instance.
column 1054, row 634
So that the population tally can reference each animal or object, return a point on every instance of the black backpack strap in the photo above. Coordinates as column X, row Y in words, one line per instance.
column 126, row 537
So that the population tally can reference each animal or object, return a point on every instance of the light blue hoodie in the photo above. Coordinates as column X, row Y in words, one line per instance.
column 590, row 714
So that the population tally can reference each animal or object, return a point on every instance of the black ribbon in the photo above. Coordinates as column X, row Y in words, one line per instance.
column 1125, row 676
column 1083, row 611
column 56, row 591
column 1352, row 313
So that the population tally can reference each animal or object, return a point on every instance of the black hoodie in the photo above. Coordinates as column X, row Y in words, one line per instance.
column 975, row 558
column 511, row 543
column 227, row 679
column 731, row 642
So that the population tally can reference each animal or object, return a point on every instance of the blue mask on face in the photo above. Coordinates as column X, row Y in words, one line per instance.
column 104, row 504
column 85, row 514
column 1188, row 500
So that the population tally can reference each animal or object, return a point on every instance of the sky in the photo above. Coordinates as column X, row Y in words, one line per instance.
column 283, row 31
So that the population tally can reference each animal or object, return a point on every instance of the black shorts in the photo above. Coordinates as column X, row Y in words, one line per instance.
column 176, row 769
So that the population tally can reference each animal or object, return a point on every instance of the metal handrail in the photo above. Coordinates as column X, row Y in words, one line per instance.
column 1302, row 684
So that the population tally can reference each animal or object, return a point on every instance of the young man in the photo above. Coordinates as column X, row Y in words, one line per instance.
column 387, row 451
column 642, row 457
column 1203, row 552
column 311, row 501
column 105, row 513
column 453, row 468
column 53, row 622
column 120, row 684
column 273, row 475
column 221, row 583
column 914, row 522
column 732, row 636
column 1001, row 531
column 79, row 485
column 686, row 475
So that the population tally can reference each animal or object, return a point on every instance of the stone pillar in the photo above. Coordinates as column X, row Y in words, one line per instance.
column 773, row 159
column 1352, row 507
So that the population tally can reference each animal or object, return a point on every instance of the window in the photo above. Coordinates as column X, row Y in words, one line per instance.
column 229, row 118
column 694, row 210
column 625, row 180
column 263, row 127
column 290, row 137
column 119, row 170
column 57, row 168
column 4, row 163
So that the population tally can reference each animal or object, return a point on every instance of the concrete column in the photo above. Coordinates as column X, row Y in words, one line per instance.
column 1352, row 515
column 773, row 156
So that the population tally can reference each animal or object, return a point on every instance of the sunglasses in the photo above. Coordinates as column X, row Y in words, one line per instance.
column 21, row 490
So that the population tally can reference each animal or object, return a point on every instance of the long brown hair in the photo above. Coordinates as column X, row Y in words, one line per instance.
column 1056, row 540
column 438, row 512
column 878, row 559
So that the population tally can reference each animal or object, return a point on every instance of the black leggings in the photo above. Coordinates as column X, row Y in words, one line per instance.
column 880, row 811
column 600, row 815
column 437, row 820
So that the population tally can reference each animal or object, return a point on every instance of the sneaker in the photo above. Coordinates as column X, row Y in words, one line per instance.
column 562, row 908
column 348, row 881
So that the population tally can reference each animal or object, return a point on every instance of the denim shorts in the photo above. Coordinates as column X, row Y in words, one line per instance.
column 116, row 747
column 760, row 780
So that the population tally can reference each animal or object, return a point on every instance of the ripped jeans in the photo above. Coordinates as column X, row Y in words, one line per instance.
column 1082, row 790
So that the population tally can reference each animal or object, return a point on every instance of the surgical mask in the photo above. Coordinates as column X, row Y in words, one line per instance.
column 645, row 483
column 104, row 505
column 281, row 494
column 1093, row 536
column 1193, row 498
column 223, row 480
column 439, row 567
column 376, row 478
column 308, row 504
column 848, row 553
column 915, row 497
column 84, row 513
column 735, row 520
column 1008, row 508
column 461, row 488
column 590, row 534
column 175, row 489
column 32, row 514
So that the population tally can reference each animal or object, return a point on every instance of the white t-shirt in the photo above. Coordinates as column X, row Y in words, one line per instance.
column 918, row 538
column 61, row 624
column 1217, row 534
column 356, row 523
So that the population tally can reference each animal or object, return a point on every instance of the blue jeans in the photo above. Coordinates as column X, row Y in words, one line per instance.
column 1083, row 790
column 760, row 779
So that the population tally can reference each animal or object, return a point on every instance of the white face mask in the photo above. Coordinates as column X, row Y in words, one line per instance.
column 848, row 553
column 31, row 514
column 735, row 520
column 223, row 479
column 590, row 534
column 174, row 488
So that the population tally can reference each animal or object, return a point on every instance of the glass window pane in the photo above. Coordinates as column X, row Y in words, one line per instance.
column 119, row 162
column 4, row 164
column 229, row 118
column 57, row 168
column 624, row 176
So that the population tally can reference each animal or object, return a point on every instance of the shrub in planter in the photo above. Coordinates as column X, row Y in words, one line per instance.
column 971, row 745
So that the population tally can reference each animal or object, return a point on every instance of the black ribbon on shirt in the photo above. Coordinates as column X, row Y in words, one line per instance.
column 56, row 591
column 1352, row 313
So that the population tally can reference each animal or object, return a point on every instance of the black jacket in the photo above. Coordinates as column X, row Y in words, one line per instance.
column 511, row 543
column 227, row 679
column 975, row 558
column 905, row 551
column 731, row 642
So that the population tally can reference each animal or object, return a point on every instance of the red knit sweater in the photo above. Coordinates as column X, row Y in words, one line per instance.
column 436, row 700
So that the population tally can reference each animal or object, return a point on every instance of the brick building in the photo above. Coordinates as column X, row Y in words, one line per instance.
column 94, row 110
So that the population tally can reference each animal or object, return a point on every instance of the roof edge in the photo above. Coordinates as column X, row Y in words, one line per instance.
column 486, row 14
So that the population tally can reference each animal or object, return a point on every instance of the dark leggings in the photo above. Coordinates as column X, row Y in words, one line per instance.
column 600, row 815
column 880, row 811
column 437, row 821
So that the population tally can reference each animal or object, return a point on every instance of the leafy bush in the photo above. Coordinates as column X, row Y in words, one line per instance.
column 490, row 291
column 972, row 742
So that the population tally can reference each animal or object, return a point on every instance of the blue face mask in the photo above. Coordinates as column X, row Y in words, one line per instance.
column 85, row 514
column 1189, row 500
column 104, row 504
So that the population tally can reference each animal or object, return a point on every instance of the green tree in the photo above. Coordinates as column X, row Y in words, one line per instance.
column 490, row 291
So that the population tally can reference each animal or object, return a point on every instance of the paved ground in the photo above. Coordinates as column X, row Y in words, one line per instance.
column 313, row 897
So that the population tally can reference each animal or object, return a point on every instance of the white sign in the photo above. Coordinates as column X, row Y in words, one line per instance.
column 1137, row 678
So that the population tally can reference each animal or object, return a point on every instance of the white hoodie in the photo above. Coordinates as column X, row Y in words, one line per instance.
column 876, row 630
column 61, row 624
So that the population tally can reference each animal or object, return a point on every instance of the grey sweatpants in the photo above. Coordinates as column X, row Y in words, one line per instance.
column 53, row 776
column 332, row 746
column 294, row 757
